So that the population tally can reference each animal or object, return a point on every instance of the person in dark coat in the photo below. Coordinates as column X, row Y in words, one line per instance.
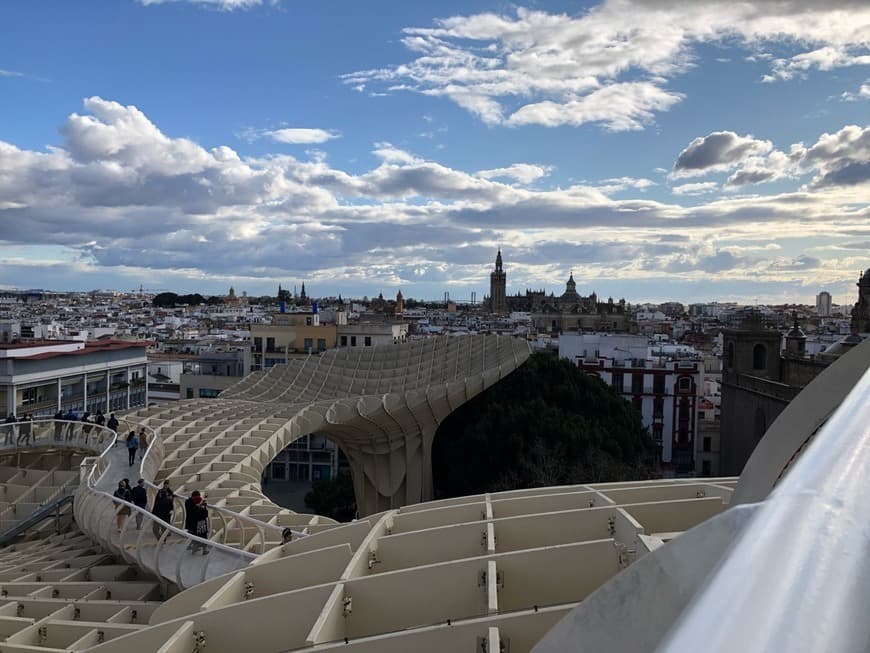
column 25, row 429
column 123, row 495
column 11, row 431
column 140, row 499
column 58, row 425
column 162, row 510
column 196, row 520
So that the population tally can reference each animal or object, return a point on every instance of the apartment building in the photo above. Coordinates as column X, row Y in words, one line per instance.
column 663, row 382
column 42, row 377
column 289, row 333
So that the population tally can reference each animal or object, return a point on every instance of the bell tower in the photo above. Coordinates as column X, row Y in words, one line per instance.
column 497, row 287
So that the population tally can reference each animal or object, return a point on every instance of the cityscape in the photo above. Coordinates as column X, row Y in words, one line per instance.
column 434, row 326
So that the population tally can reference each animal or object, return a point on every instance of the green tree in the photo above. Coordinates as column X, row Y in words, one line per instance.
column 333, row 498
column 165, row 300
column 547, row 423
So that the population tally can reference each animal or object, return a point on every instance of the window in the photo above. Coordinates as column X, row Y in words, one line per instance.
column 190, row 393
column 658, row 407
column 368, row 341
column 208, row 393
column 344, row 341
column 258, row 344
column 659, row 384
column 307, row 321
column 270, row 344
column 279, row 471
column 353, row 341
column 28, row 396
column 708, row 443
column 759, row 357
column 309, row 344
column 617, row 381
column 637, row 402
column 657, row 432
column 729, row 357
column 683, row 422
column 706, row 468
column 321, row 344
column 685, row 384
column 637, row 383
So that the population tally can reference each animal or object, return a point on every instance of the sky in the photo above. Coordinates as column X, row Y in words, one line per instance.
column 659, row 150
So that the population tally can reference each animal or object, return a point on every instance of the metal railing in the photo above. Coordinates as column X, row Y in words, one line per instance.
column 230, row 522
column 133, row 532
column 137, row 535
column 797, row 577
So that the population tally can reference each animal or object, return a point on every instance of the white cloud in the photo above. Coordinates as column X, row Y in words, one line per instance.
column 842, row 158
column 716, row 152
column 10, row 73
column 525, row 173
column 863, row 93
column 824, row 58
column 610, row 64
column 698, row 188
column 292, row 135
column 120, row 197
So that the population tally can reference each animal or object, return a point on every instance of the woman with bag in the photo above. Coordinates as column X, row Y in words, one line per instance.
column 196, row 520
column 123, row 495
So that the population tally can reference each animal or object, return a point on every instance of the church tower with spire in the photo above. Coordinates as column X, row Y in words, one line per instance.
column 497, row 287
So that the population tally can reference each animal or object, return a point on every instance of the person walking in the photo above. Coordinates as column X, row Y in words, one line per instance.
column 162, row 510
column 113, row 422
column 25, row 429
column 132, row 445
column 86, row 425
column 100, row 419
column 196, row 520
column 122, row 494
column 11, row 431
column 139, row 496
column 71, row 417
column 58, row 425
column 143, row 443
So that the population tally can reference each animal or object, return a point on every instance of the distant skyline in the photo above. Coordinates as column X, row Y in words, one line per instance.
column 661, row 150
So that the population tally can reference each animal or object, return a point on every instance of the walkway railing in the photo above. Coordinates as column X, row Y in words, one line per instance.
column 139, row 537
column 162, row 548
column 232, row 528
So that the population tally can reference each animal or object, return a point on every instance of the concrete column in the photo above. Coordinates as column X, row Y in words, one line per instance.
column 59, row 393
column 129, row 382
column 10, row 399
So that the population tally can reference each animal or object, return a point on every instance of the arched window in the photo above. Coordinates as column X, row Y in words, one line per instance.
column 759, row 357
column 729, row 357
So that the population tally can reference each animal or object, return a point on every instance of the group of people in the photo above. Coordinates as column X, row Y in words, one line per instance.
column 195, row 510
column 65, row 424
column 17, row 430
column 136, row 443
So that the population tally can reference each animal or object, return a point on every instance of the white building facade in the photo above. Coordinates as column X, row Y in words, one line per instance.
column 40, row 378
column 663, row 384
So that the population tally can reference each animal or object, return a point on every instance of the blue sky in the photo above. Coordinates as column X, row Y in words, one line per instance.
column 660, row 150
